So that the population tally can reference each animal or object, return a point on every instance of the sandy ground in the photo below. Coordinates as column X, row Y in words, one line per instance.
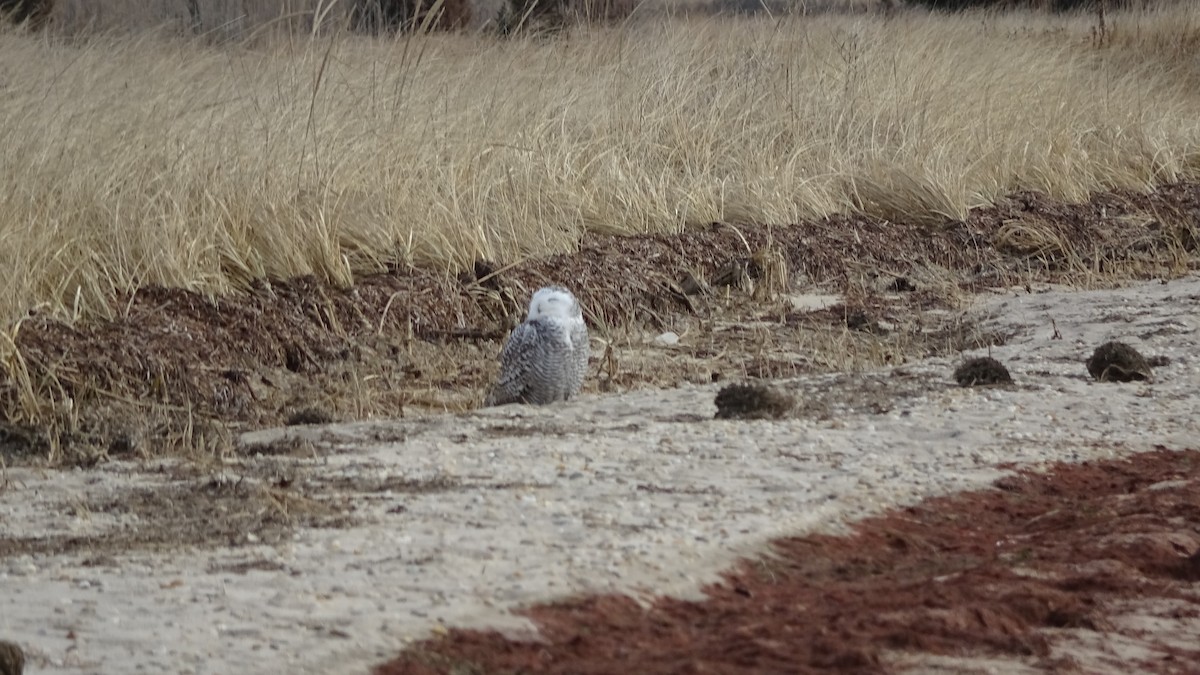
column 449, row 520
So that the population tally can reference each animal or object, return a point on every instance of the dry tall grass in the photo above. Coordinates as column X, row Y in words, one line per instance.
column 150, row 160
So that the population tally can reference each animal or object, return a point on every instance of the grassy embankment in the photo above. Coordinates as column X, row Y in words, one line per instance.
column 134, row 160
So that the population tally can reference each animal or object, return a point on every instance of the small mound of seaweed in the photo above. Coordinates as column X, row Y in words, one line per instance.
column 1118, row 362
column 12, row 659
column 982, row 371
column 752, row 401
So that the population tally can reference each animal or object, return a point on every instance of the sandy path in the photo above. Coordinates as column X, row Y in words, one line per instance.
column 513, row 505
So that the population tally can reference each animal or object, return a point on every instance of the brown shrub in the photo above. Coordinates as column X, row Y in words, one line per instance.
column 379, row 16
column 36, row 12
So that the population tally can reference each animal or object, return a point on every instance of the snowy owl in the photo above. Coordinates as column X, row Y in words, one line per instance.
column 546, row 357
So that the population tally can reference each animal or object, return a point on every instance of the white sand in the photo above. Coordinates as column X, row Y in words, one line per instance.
column 619, row 492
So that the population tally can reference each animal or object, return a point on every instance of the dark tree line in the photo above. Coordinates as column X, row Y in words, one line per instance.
column 1054, row 5
column 36, row 12
column 389, row 16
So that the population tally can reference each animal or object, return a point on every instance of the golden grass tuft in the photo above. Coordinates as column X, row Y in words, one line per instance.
column 141, row 159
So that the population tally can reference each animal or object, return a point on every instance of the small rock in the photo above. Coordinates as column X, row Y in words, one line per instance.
column 752, row 402
column 668, row 339
column 859, row 320
column 1118, row 362
column 812, row 302
column 309, row 416
column 692, row 286
column 982, row 371
column 124, row 442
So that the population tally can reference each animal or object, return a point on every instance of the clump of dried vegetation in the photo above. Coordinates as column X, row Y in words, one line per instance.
column 1118, row 362
column 752, row 401
column 219, row 154
column 982, row 371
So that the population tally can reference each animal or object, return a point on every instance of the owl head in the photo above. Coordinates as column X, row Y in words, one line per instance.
column 554, row 302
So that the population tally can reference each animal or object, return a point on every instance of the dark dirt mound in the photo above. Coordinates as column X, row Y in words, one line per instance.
column 993, row 572
column 175, row 368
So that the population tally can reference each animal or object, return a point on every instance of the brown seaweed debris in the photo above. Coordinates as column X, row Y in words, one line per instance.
column 1022, row 574
column 12, row 659
column 309, row 415
column 1118, row 362
column 752, row 401
column 982, row 371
